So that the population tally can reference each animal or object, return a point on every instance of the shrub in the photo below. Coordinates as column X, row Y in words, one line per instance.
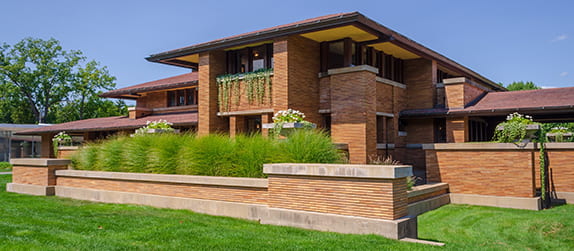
column 5, row 165
column 214, row 155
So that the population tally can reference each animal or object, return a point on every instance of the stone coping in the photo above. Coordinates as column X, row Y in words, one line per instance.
column 340, row 170
column 385, row 146
column 68, row 147
column 245, row 112
column 39, row 162
column 353, row 69
column 496, row 146
column 390, row 82
column 426, row 188
column 167, row 178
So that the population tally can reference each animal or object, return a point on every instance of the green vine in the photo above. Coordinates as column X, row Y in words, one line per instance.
column 542, row 170
column 257, row 86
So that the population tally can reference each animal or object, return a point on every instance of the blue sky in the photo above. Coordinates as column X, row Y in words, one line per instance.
column 502, row 40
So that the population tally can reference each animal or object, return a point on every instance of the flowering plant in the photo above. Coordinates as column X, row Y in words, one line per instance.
column 513, row 129
column 161, row 124
column 62, row 138
column 288, row 116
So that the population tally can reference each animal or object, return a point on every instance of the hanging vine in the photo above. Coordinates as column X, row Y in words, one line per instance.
column 257, row 86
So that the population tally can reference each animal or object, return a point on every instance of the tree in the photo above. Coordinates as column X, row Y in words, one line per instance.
column 40, row 78
column 519, row 86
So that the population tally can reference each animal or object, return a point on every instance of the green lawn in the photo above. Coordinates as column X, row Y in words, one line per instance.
column 51, row 223
column 5, row 170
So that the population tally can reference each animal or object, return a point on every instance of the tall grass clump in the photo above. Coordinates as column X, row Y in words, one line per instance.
column 213, row 155
column 309, row 146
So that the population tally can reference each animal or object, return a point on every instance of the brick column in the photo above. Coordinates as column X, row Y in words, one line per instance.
column 211, row 65
column 236, row 125
column 353, row 110
column 457, row 130
column 35, row 176
column 46, row 149
column 266, row 118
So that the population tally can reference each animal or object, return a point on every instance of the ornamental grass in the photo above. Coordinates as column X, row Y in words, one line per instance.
column 212, row 155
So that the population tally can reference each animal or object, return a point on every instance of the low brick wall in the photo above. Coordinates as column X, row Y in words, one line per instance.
column 363, row 199
column 500, row 169
column 244, row 190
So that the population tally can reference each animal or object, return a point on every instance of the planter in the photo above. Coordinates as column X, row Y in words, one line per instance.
column 64, row 152
column 559, row 137
column 530, row 131
column 289, row 128
column 161, row 131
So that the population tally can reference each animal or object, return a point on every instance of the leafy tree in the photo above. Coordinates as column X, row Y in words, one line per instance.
column 39, row 78
column 519, row 86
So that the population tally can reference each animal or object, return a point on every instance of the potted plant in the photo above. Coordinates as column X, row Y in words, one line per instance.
column 61, row 139
column 286, row 121
column 160, row 126
column 516, row 128
column 559, row 134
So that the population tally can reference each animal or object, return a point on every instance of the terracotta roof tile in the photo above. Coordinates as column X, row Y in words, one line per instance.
column 542, row 98
column 182, row 80
column 539, row 101
column 114, row 123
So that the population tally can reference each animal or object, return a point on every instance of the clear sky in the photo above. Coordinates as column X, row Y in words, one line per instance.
column 502, row 40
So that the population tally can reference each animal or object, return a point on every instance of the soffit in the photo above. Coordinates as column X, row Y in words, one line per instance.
column 396, row 51
column 350, row 31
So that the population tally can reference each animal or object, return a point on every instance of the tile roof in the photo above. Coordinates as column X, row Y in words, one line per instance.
column 182, row 80
column 552, row 98
column 114, row 123
column 539, row 101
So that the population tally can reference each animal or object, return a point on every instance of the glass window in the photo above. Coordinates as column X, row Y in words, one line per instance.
column 171, row 100
column 191, row 96
column 258, row 55
column 336, row 55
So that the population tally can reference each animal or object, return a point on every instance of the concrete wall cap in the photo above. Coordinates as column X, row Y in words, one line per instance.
column 39, row 162
column 353, row 69
column 168, row 178
column 459, row 80
column 479, row 146
column 426, row 188
column 340, row 170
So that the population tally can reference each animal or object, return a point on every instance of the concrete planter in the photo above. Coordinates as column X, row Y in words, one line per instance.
column 530, row 131
column 555, row 137
column 161, row 131
column 288, row 128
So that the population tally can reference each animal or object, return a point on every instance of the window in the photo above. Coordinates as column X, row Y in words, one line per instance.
column 326, row 123
column 252, row 124
column 250, row 59
column 440, row 130
column 345, row 53
column 182, row 97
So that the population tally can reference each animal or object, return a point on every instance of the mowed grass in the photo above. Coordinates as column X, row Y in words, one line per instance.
column 52, row 223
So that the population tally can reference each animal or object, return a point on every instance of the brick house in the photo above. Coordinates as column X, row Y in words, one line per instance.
column 372, row 88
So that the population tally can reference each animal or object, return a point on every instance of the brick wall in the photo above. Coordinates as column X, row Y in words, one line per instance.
column 211, row 65
column 43, row 176
column 454, row 95
column 353, row 113
column 345, row 196
column 471, row 92
column 420, row 131
column 207, row 192
column 561, row 170
column 420, row 76
column 501, row 172
column 457, row 130
column 296, row 84
column 385, row 101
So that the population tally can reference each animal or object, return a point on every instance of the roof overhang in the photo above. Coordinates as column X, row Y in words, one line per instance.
column 354, row 25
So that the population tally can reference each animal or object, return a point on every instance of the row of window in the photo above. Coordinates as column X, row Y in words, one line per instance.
column 250, row 59
column 334, row 54
column 346, row 52
column 182, row 97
